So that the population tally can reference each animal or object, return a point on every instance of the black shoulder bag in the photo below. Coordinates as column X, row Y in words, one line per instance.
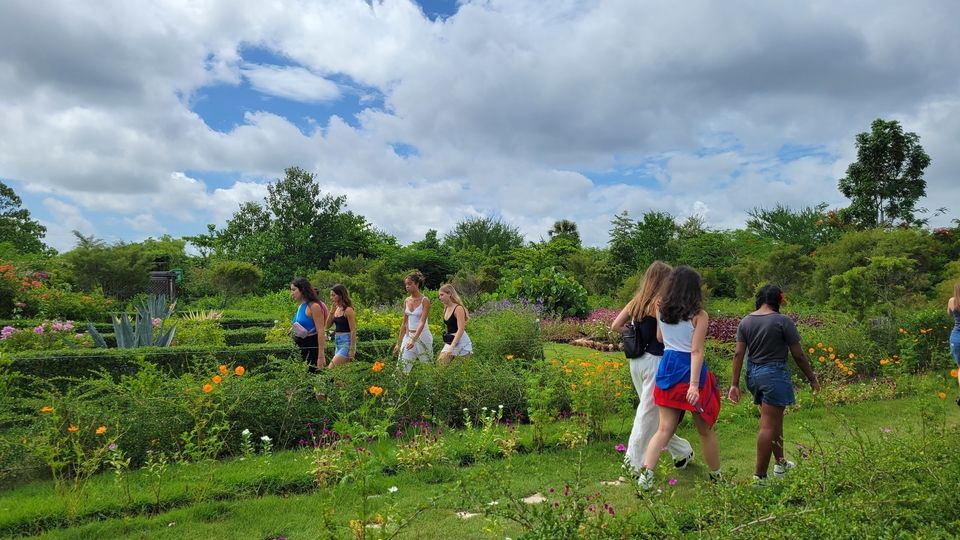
column 633, row 344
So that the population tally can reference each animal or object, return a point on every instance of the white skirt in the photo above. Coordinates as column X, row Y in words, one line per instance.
column 422, row 350
column 464, row 347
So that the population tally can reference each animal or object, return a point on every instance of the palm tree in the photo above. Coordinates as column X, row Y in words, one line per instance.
column 566, row 228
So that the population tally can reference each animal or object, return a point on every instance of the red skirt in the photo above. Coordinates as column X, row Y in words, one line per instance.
column 675, row 397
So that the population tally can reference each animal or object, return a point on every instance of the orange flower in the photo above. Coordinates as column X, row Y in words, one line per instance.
column 884, row 361
column 829, row 349
column 851, row 356
column 217, row 379
column 46, row 409
column 822, row 359
column 810, row 350
column 73, row 429
column 101, row 430
column 820, row 344
column 833, row 356
column 942, row 395
column 953, row 373
column 573, row 386
column 239, row 371
column 377, row 366
column 207, row 388
column 375, row 390
column 223, row 369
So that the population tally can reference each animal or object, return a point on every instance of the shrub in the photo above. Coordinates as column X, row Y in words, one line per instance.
column 192, row 332
column 235, row 277
column 512, row 333
column 48, row 335
column 560, row 293
column 923, row 340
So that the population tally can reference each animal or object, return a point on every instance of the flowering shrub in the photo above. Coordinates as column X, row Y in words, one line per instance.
column 598, row 388
column 49, row 335
column 420, row 446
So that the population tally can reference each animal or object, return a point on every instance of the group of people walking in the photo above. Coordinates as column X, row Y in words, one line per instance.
column 415, row 342
column 671, row 376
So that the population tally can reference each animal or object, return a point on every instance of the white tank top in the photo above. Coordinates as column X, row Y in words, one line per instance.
column 413, row 317
column 677, row 337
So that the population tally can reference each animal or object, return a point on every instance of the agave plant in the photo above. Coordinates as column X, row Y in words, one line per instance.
column 139, row 332
column 202, row 315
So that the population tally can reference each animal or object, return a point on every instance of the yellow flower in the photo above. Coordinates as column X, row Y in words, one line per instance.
column 223, row 369
column 822, row 359
column 509, row 357
column 207, row 388
column 239, row 371
column 46, row 409
column 101, row 430
column 851, row 356
column 833, row 356
column 829, row 349
column 73, row 429
column 375, row 390
column 942, row 395
column 810, row 350
column 217, row 379
column 884, row 361
column 573, row 386
column 377, row 366
column 586, row 364
column 616, row 394
column 820, row 344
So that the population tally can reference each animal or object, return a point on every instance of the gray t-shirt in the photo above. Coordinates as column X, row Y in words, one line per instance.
column 768, row 337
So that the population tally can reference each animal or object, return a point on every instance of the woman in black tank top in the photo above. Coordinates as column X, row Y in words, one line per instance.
column 344, row 320
column 456, row 341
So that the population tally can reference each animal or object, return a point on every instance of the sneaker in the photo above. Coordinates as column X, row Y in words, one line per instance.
column 958, row 401
column 758, row 481
column 645, row 479
column 716, row 477
column 781, row 468
column 683, row 462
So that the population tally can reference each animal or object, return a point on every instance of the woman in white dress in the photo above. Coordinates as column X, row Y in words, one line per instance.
column 416, row 341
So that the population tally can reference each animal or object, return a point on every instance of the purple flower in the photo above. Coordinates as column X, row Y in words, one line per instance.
column 885, row 430
column 38, row 330
column 620, row 448
column 112, row 446
column 672, row 481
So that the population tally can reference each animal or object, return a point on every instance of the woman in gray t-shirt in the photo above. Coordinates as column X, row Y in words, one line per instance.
column 765, row 336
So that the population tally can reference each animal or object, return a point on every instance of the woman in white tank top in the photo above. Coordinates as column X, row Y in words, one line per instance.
column 416, row 341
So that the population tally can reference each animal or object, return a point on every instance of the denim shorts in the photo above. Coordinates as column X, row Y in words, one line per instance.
column 770, row 383
column 955, row 345
column 341, row 345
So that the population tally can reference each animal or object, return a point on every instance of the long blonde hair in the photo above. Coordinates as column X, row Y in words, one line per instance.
column 956, row 297
column 455, row 298
column 649, row 291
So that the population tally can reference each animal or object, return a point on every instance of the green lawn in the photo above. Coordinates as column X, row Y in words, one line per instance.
column 271, row 497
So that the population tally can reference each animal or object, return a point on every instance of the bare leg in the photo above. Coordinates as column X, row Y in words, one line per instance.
column 708, row 443
column 669, row 418
column 770, row 438
column 338, row 360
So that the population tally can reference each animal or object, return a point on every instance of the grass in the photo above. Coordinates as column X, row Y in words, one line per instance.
column 267, row 497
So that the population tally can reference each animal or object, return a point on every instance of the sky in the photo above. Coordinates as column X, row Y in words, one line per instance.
column 133, row 119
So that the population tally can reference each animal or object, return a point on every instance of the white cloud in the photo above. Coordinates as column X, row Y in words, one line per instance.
column 507, row 104
column 294, row 83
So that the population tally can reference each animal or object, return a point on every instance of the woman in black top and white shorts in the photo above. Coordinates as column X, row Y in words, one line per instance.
column 456, row 341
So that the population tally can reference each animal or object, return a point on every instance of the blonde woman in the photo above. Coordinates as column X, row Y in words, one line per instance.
column 642, row 310
column 953, row 308
column 344, row 320
column 416, row 341
column 456, row 341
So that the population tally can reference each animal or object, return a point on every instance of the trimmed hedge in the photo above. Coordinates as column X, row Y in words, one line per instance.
column 175, row 360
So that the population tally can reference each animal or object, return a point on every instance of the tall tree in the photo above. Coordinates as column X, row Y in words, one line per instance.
column 296, row 230
column 886, row 181
column 16, row 227
column 485, row 234
column 806, row 227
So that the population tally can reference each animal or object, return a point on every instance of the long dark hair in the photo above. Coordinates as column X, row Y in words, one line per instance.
column 682, row 298
column 343, row 294
column 770, row 295
column 307, row 292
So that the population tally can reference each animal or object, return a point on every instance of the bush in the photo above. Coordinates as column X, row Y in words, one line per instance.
column 923, row 340
column 198, row 333
column 508, row 332
column 560, row 293
column 235, row 277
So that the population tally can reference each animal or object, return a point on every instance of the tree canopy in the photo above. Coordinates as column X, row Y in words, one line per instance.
column 16, row 227
column 886, row 181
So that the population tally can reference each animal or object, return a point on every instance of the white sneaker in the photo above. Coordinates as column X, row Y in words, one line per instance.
column 781, row 468
column 645, row 479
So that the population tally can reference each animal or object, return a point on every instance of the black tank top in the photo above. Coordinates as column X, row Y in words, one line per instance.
column 341, row 324
column 452, row 322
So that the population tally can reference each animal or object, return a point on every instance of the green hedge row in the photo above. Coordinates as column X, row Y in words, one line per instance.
column 174, row 360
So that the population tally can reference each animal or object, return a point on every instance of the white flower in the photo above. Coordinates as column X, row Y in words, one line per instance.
column 393, row 489
column 245, row 433
column 499, row 406
column 265, row 438
column 493, row 503
column 466, row 409
column 483, row 408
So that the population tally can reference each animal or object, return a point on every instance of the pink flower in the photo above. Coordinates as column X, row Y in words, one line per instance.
column 38, row 330
column 672, row 481
column 620, row 448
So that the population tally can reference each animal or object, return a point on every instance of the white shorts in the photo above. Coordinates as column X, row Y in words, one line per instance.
column 464, row 347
